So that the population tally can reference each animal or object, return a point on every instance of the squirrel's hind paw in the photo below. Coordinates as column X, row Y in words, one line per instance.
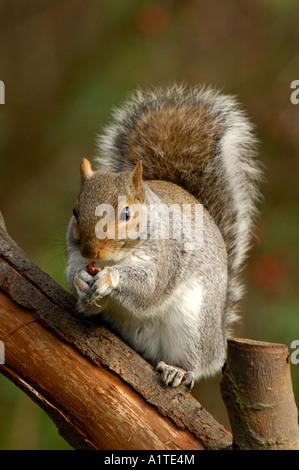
column 174, row 376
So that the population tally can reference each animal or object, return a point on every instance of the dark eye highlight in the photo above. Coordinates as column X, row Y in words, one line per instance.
column 75, row 214
column 125, row 214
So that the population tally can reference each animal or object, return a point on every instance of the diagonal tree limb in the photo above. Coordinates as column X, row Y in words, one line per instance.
column 99, row 392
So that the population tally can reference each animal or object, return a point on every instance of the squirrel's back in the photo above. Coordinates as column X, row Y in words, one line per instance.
column 200, row 140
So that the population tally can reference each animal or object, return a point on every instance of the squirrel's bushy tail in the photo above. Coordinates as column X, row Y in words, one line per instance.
column 201, row 140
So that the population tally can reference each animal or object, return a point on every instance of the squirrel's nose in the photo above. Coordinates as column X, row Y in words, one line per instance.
column 88, row 249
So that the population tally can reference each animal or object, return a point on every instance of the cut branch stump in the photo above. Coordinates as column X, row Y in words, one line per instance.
column 258, row 394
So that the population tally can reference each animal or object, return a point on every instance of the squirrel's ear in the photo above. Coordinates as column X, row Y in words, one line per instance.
column 137, row 181
column 85, row 170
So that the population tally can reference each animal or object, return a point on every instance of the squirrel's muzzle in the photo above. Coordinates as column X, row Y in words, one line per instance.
column 89, row 249
column 92, row 250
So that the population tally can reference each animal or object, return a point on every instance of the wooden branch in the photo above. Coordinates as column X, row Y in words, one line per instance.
column 258, row 394
column 99, row 392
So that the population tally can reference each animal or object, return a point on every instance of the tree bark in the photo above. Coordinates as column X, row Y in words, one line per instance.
column 102, row 395
column 257, row 391
column 99, row 392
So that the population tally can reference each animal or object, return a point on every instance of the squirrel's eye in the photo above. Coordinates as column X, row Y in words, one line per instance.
column 75, row 214
column 125, row 214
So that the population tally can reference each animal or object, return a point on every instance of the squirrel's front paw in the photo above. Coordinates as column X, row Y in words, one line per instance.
column 174, row 376
column 83, row 283
column 104, row 282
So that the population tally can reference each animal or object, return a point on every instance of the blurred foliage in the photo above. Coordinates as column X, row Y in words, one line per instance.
column 66, row 63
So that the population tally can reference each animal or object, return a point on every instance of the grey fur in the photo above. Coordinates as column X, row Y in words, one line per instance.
column 170, row 304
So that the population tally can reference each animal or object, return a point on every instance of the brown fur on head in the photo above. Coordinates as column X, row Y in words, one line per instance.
column 103, row 187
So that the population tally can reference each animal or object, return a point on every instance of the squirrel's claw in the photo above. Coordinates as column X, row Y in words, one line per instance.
column 105, row 281
column 82, row 284
column 174, row 376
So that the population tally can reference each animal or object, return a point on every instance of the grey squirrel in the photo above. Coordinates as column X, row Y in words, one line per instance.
column 175, row 306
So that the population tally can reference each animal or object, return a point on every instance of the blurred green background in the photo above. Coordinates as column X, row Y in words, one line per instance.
column 66, row 63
